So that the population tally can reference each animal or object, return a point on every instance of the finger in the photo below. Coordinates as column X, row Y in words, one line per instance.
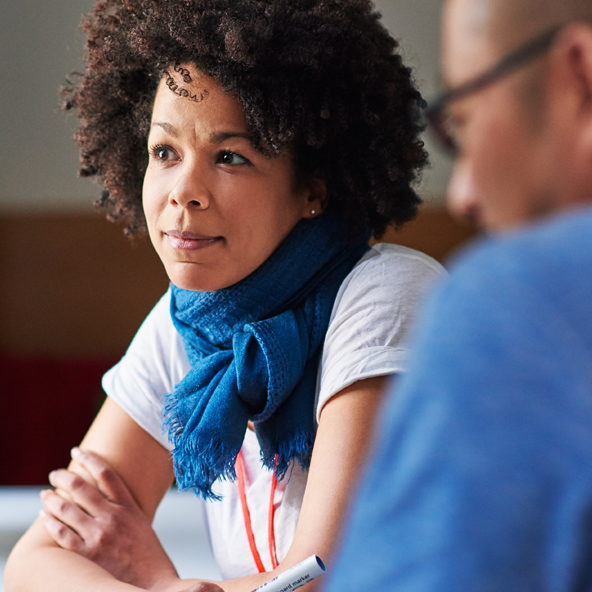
column 66, row 511
column 110, row 484
column 85, row 495
column 63, row 536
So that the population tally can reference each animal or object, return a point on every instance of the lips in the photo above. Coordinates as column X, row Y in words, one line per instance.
column 189, row 241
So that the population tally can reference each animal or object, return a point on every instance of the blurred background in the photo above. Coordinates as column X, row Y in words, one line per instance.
column 73, row 289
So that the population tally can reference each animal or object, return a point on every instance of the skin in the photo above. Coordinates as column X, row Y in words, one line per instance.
column 95, row 533
column 509, row 22
column 206, row 178
column 514, row 168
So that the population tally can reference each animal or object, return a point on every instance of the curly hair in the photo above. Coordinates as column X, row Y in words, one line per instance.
column 322, row 77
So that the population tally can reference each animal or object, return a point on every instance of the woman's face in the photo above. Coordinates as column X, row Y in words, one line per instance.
column 216, row 208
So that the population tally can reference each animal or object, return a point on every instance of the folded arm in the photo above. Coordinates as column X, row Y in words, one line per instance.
column 118, row 549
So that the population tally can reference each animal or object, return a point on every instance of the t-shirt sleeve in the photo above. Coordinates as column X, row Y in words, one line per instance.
column 373, row 313
column 481, row 478
column 153, row 364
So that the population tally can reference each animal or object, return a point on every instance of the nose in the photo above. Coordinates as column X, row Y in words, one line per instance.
column 462, row 197
column 190, row 188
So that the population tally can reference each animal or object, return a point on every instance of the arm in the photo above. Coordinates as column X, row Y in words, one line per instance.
column 344, row 433
column 343, row 438
column 38, row 563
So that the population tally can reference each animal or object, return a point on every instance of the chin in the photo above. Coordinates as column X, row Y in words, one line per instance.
column 196, row 285
column 201, row 278
column 197, row 282
column 188, row 276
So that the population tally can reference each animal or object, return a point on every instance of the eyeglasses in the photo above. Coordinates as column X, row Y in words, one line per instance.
column 435, row 115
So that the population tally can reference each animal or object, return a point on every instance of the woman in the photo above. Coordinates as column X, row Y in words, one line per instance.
column 280, row 135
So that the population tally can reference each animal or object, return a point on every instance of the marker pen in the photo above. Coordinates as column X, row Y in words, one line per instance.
column 296, row 576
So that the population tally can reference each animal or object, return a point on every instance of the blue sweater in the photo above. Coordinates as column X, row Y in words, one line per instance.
column 482, row 477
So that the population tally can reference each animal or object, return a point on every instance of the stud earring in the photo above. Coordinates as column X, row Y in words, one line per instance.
column 313, row 212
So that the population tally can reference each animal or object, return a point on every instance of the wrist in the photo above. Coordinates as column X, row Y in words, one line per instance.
column 165, row 581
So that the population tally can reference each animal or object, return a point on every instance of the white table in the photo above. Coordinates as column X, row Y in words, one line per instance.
column 179, row 524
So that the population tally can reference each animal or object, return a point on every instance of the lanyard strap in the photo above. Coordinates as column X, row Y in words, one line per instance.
column 240, row 477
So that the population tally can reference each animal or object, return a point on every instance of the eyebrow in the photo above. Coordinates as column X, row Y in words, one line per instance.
column 167, row 127
column 215, row 137
column 219, row 137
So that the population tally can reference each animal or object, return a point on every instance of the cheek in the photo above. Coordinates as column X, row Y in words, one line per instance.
column 152, row 210
column 282, row 215
column 151, row 203
column 495, row 158
column 260, row 227
column 262, row 211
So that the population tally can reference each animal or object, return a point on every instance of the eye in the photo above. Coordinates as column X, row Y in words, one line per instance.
column 231, row 158
column 162, row 153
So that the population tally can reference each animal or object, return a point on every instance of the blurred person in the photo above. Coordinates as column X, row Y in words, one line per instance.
column 260, row 144
column 482, row 476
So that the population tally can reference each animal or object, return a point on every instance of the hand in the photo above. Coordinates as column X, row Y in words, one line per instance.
column 105, row 525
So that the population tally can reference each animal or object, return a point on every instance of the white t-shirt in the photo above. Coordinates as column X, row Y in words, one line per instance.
column 369, row 324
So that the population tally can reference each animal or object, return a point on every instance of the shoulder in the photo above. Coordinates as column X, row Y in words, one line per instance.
column 388, row 273
column 386, row 284
column 556, row 245
column 393, row 264
column 157, row 331
column 374, row 310
column 521, row 302
column 153, row 344
column 537, row 261
column 383, row 290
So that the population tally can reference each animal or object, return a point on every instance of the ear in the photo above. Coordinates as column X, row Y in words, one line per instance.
column 572, row 76
column 315, row 195
column 569, row 99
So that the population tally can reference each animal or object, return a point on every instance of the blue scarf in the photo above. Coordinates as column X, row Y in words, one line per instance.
column 253, row 349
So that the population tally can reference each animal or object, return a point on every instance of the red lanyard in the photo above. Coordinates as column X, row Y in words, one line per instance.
column 240, row 477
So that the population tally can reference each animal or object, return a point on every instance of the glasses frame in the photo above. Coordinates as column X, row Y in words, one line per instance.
column 509, row 63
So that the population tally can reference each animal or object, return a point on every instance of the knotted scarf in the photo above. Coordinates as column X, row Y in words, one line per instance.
column 253, row 349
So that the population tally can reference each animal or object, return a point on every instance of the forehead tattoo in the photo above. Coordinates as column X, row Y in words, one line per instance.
column 196, row 97
column 183, row 72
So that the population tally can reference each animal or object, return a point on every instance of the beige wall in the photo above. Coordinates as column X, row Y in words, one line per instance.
column 416, row 24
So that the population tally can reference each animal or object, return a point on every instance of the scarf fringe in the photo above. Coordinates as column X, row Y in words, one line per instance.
column 198, row 462
column 298, row 447
column 203, row 463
